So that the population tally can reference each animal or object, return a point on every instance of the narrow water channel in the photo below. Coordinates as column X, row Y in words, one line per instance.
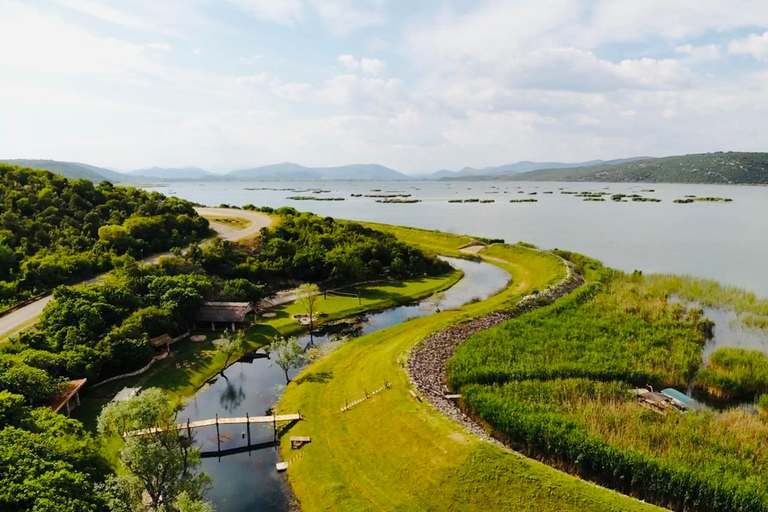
column 245, row 480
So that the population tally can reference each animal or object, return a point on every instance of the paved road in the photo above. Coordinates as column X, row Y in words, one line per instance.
column 28, row 315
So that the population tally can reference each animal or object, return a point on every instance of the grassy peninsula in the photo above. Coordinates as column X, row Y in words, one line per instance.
column 393, row 452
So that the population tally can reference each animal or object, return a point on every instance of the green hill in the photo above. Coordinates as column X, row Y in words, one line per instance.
column 71, row 170
column 724, row 168
column 54, row 230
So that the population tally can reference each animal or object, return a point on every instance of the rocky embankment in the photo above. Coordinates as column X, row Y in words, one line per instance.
column 428, row 361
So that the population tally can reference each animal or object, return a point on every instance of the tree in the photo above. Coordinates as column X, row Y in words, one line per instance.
column 236, row 344
column 287, row 354
column 437, row 299
column 308, row 295
column 161, row 465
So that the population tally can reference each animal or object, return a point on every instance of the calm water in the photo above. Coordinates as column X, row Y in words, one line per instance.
column 248, row 481
column 727, row 242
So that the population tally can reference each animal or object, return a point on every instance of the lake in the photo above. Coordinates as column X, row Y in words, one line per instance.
column 727, row 242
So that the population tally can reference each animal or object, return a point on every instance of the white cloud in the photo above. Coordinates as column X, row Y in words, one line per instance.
column 115, row 16
column 62, row 48
column 165, row 47
column 295, row 91
column 628, row 115
column 258, row 79
column 253, row 59
column 704, row 53
column 372, row 66
column 286, row 12
column 344, row 17
column 754, row 44
column 349, row 61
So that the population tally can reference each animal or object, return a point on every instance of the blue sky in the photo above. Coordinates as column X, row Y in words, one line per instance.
column 414, row 85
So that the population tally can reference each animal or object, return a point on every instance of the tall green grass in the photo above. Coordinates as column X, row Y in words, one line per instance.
column 734, row 373
column 557, row 384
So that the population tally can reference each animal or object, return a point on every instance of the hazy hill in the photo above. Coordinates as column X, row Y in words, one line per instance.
column 521, row 167
column 291, row 171
column 172, row 173
column 72, row 170
column 726, row 168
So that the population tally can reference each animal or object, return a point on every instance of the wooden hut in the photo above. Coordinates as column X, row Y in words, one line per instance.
column 69, row 398
column 163, row 342
column 224, row 315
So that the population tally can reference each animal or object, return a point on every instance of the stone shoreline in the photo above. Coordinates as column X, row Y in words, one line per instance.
column 428, row 361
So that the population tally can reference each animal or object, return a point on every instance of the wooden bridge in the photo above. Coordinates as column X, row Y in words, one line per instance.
column 243, row 420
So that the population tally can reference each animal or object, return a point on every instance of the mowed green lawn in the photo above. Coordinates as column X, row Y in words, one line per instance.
column 392, row 452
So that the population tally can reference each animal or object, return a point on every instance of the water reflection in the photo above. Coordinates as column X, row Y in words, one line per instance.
column 244, row 472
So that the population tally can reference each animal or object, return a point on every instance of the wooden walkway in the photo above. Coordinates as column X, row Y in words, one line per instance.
column 244, row 420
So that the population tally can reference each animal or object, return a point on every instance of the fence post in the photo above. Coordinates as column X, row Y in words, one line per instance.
column 189, row 431
column 218, row 437
column 248, row 427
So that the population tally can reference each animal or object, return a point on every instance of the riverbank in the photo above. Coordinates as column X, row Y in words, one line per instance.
column 392, row 452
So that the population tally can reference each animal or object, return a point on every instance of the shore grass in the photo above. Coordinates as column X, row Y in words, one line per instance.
column 232, row 222
column 392, row 452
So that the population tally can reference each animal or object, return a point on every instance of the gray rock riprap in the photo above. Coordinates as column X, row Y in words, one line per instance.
column 427, row 362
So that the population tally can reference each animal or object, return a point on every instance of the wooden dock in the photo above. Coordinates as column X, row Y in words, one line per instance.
column 243, row 420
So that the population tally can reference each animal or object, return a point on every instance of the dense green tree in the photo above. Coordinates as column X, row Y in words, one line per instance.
column 47, row 462
column 54, row 230
column 163, row 465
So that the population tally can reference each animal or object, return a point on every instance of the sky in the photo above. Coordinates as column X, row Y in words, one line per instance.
column 416, row 85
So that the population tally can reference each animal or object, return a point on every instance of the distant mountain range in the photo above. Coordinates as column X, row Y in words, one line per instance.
column 730, row 167
column 521, row 167
column 291, row 171
column 726, row 168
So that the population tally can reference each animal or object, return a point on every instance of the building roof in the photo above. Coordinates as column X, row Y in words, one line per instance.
column 682, row 399
column 57, row 402
column 224, row 312
column 126, row 394
column 164, row 339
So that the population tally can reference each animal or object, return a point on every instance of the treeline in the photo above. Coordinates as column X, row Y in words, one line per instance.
column 557, row 385
column 105, row 329
column 54, row 230
column 304, row 247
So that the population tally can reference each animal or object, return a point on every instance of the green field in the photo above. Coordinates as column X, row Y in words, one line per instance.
column 391, row 452
column 233, row 222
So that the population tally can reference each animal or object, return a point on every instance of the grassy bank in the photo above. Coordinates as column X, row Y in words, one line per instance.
column 204, row 362
column 391, row 452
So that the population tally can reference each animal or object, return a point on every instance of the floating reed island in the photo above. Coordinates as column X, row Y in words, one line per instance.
column 473, row 200
column 315, row 198
column 694, row 199
column 398, row 201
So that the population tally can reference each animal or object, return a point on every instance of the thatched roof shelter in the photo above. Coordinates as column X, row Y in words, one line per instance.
column 224, row 312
